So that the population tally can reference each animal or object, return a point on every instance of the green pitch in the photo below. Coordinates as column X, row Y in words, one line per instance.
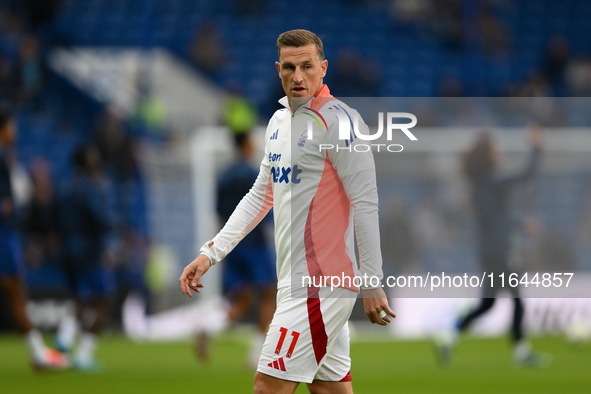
column 480, row 366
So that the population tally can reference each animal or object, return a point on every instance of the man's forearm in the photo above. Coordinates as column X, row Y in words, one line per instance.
column 247, row 215
column 367, row 233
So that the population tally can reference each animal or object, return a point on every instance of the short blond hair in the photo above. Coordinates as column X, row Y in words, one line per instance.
column 299, row 38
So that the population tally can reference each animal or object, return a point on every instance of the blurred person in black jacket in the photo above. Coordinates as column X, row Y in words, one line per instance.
column 494, row 229
column 11, row 264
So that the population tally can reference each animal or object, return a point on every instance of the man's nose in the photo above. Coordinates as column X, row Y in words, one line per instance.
column 298, row 76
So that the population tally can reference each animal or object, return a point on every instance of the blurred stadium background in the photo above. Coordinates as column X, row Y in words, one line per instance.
column 150, row 82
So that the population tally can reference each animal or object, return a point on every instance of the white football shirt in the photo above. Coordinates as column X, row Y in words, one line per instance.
column 322, row 197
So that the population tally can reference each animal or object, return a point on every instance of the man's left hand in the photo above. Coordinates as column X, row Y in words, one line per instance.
column 374, row 302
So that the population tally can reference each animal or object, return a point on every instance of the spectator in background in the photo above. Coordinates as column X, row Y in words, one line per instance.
column 86, row 225
column 7, row 80
column 446, row 21
column 115, row 145
column 30, row 71
column 555, row 61
column 11, row 267
column 10, row 35
column 207, row 50
column 150, row 116
column 238, row 113
column 11, row 28
column 410, row 11
column 40, row 221
column 121, row 163
column 21, row 65
column 356, row 76
column 494, row 36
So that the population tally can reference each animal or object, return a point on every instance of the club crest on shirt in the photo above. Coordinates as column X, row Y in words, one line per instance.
column 303, row 138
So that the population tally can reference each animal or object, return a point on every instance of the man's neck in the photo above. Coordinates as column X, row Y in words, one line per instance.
column 299, row 101
column 295, row 104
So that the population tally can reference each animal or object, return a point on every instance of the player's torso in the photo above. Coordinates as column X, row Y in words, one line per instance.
column 297, row 167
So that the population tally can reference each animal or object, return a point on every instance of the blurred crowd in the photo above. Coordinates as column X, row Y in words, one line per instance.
column 477, row 30
column 477, row 35
column 51, row 151
column 45, row 207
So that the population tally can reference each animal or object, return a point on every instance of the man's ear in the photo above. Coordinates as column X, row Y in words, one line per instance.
column 324, row 66
column 278, row 66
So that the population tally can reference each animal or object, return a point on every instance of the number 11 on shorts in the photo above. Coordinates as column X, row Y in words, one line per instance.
column 295, row 335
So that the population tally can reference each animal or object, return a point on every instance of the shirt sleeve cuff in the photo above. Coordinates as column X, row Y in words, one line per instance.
column 209, row 252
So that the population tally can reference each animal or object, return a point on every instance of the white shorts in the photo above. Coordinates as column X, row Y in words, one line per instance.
column 309, row 337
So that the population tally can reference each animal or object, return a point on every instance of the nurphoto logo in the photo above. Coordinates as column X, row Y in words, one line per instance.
column 349, row 131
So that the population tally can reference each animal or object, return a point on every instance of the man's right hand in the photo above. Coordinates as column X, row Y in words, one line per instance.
column 193, row 273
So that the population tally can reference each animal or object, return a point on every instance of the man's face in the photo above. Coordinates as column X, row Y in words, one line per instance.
column 301, row 72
